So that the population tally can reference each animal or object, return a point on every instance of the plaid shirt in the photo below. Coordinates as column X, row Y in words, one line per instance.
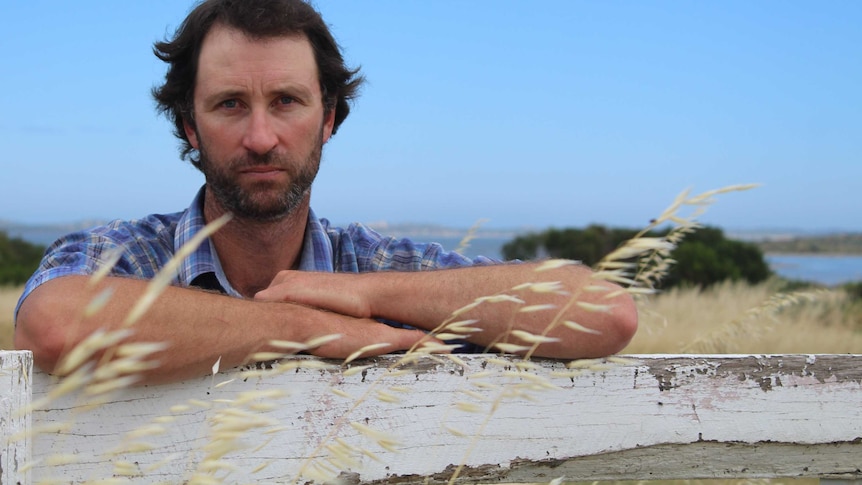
column 149, row 243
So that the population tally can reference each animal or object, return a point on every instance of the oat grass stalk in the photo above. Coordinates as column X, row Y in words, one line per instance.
column 471, row 234
column 164, row 277
column 325, row 461
column 652, row 256
column 121, row 363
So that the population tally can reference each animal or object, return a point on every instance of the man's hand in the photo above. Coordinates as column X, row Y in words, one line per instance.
column 340, row 293
column 356, row 333
column 426, row 299
column 336, row 292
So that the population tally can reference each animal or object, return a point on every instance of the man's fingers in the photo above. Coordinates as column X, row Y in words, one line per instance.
column 312, row 289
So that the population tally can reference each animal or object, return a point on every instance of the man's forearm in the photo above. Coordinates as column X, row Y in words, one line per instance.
column 428, row 298
column 198, row 327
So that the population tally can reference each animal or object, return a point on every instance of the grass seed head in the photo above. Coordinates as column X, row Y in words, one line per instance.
column 456, row 360
column 449, row 336
column 93, row 343
column 511, row 348
column 455, row 432
column 435, row 348
column 322, row 340
column 468, row 407
column 288, row 345
column 108, row 260
column 355, row 370
column 150, row 430
column 537, row 308
column 384, row 396
column 368, row 348
column 99, row 302
column 498, row 299
column 580, row 328
column 105, row 387
column 592, row 307
column 61, row 459
column 533, row 338
column 267, row 356
column 339, row 392
column 555, row 264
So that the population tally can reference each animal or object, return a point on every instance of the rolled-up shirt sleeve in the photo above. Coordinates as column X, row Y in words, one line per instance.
column 142, row 245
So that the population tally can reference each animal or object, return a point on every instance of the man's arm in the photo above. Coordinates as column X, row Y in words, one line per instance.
column 425, row 299
column 199, row 327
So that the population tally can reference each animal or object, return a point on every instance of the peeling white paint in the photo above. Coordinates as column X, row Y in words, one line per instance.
column 660, row 417
column 16, row 370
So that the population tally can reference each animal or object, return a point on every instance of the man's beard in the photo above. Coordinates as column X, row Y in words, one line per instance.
column 267, row 202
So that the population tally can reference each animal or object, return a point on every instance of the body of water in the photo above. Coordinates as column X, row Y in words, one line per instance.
column 817, row 268
column 489, row 247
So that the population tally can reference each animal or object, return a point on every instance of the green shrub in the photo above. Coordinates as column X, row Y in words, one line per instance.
column 854, row 290
column 18, row 259
column 703, row 258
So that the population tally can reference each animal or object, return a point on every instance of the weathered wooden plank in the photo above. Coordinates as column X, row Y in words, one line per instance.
column 659, row 417
column 16, row 369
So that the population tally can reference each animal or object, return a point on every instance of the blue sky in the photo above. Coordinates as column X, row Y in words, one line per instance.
column 545, row 113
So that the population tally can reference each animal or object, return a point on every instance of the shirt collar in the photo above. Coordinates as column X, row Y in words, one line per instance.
column 317, row 253
column 200, row 261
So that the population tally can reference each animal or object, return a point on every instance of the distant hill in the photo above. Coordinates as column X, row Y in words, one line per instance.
column 44, row 234
column 419, row 231
column 841, row 243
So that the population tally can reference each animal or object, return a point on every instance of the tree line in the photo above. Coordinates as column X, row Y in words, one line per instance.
column 849, row 243
column 18, row 259
column 703, row 258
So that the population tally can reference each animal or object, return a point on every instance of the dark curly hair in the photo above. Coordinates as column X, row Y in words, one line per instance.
column 259, row 19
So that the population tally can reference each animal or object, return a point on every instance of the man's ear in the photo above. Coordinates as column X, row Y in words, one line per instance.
column 328, row 123
column 191, row 134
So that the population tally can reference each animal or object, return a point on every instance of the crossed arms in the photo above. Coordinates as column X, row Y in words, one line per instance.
column 201, row 327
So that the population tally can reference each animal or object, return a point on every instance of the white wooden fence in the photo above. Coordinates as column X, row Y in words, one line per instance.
column 651, row 417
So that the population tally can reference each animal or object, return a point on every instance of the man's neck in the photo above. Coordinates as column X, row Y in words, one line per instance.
column 251, row 253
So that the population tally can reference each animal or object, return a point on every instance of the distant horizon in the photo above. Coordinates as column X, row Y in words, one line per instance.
column 416, row 227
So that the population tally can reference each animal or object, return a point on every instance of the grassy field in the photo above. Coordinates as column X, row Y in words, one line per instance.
column 8, row 300
column 741, row 318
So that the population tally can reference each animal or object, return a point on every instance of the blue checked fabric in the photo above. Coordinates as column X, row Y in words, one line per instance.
column 148, row 244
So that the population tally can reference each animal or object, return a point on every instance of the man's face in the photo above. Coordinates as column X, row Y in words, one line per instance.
column 259, row 122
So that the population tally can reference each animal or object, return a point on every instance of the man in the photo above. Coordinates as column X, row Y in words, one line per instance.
column 255, row 89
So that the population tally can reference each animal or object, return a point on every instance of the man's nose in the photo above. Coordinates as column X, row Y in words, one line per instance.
column 260, row 137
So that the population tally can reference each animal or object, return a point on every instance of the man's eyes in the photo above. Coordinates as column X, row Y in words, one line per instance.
column 279, row 101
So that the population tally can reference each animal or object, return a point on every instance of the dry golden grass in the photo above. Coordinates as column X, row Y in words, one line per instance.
column 8, row 300
column 736, row 318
